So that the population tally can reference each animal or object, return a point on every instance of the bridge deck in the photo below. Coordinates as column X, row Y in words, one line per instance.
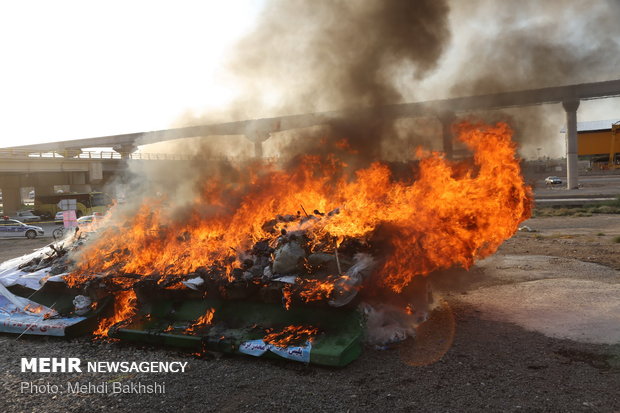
column 585, row 91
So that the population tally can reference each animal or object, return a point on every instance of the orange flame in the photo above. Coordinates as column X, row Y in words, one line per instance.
column 308, row 290
column 34, row 309
column 445, row 214
column 124, row 309
column 204, row 320
column 290, row 335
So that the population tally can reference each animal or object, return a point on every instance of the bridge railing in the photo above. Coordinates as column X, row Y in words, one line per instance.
column 71, row 155
column 100, row 155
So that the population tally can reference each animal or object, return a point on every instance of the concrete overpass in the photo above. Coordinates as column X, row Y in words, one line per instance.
column 446, row 111
column 259, row 129
column 81, row 172
column 19, row 170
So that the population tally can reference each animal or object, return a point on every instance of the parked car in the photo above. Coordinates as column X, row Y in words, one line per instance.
column 553, row 180
column 27, row 216
column 87, row 220
column 14, row 228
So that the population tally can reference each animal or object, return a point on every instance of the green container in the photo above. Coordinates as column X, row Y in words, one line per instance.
column 165, row 322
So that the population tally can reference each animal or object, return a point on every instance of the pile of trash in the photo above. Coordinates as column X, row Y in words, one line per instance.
column 294, row 267
column 34, row 269
column 34, row 298
column 299, row 267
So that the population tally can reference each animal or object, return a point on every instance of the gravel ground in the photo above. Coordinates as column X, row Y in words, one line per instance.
column 587, row 239
column 14, row 247
column 460, row 361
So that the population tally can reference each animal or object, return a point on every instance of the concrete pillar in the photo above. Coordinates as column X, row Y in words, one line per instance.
column 71, row 152
column 77, row 178
column 258, row 139
column 78, row 182
column 447, row 120
column 11, row 200
column 95, row 172
column 125, row 150
column 571, row 106
column 258, row 149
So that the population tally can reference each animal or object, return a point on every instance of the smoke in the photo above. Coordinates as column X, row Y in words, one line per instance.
column 532, row 44
column 319, row 56
column 308, row 57
column 518, row 45
column 330, row 55
column 305, row 57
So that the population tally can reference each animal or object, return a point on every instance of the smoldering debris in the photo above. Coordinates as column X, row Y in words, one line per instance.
column 294, row 268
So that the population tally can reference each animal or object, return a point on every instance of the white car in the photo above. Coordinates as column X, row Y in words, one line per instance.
column 553, row 180
column 27, row 216
column 14, row 228
column 58, row 218
column 87, row 220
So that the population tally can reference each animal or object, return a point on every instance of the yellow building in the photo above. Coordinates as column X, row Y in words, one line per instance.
column 594, row 140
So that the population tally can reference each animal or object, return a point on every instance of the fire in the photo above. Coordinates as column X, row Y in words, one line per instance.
column 308, row 290
column 204, row 320
column 46, row 313
column 290, row 335
column 445, row 214
column 124, row 309
column 287, row 296
column 314, row 290
column 34, row 309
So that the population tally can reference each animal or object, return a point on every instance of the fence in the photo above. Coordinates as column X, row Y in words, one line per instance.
column 70, row 155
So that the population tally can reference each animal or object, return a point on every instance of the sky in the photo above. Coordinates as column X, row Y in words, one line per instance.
column 79, row 69
column 76, row 69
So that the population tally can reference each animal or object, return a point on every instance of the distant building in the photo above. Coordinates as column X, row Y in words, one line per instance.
column 594, row 139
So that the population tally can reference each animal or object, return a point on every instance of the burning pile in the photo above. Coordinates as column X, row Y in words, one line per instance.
column 317, row 231
column 314, row 236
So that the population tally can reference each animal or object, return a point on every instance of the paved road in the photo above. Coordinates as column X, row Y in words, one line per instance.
column 592, row 179
column 612, row 179
column 607, row 185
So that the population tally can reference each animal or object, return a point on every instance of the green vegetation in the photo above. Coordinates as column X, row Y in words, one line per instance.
column 609, row 207
column 617, row 239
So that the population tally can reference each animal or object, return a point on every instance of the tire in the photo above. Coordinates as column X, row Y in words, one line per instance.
column 78, row 214
column 31, row 234
column 58, row 233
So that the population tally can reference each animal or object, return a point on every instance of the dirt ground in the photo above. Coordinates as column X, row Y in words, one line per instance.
column 14, row 247
column 464, row 358
column 587, row 239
